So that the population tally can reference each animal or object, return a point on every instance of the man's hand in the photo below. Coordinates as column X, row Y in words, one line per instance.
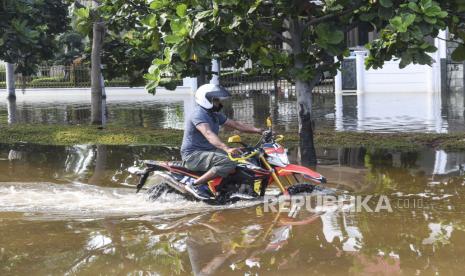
column 233, row 151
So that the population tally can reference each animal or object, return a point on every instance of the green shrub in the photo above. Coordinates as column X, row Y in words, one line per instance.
column 46, row 80
column 116, row 83
column 57, row 84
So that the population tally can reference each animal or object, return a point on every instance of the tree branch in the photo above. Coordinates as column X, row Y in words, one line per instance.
column 275, row 33
column 448, row 40
column 329, row 17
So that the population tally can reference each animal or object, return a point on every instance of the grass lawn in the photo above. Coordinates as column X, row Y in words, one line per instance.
column 114, row 135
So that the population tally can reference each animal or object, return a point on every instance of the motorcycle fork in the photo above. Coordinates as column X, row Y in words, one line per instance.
column 273, row 173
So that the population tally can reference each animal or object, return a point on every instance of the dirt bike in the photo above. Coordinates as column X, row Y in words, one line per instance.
column 258, row 167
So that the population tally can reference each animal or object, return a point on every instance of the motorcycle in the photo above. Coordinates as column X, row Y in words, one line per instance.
column 258, row 167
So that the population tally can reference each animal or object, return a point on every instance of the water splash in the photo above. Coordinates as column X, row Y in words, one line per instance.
column 78, row 200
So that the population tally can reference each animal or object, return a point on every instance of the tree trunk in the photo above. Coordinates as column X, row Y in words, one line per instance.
column 304, row 108
column 10, row 80
column 12, row 112
column 304, row 98
column 96, row 74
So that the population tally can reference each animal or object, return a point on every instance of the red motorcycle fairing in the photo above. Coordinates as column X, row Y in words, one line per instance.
column 305, row 172
column 214, row 183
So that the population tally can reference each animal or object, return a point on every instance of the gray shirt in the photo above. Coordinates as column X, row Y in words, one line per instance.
column 193, row 139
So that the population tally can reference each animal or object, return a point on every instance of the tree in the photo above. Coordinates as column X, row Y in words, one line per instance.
column 89, row 22
column 129, row 46
column 28, row 30
column 126, row 49
column 311, row 32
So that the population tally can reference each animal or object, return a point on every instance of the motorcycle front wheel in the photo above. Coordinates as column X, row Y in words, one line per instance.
column 307, row 188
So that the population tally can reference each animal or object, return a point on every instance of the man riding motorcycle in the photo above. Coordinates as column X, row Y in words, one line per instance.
column 202, row 149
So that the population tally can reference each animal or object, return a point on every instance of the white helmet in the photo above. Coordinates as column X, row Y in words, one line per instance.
column 206, row 93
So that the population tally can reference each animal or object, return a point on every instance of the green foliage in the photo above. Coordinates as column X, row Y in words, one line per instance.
column 183, row 36
column 28, row 30
column 71, row 46
column 130, row 43
column 83, row 22
column 233, row 31
column 406, row 35
column 328, row 35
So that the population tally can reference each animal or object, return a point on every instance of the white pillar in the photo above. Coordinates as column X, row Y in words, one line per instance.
column 216, row 69
column 360, row 63
column 441, row 53
column 433, row 113
column 338, row 81
column 10, row 80
column 429, row 79
column 190, row 82
column 442, row 43
column 339, row 116
column 361, row 111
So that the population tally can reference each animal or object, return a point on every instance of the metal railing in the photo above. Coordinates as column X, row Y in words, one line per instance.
column 239, row 82
column 59, row 76
column 77, row 76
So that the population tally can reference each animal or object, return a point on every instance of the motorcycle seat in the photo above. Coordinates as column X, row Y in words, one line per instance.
column 177, row 165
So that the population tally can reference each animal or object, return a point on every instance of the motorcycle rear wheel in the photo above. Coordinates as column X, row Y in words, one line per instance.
column 156, row 191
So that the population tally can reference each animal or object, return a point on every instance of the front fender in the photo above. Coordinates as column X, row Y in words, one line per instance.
column 304, row 171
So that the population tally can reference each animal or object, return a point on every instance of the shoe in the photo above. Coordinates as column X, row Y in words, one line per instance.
column 200, row 192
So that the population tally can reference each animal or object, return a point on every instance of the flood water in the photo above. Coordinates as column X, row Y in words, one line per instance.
column 73, row 210
column 414, row 112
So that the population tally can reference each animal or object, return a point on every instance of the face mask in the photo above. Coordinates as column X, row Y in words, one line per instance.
column 217, row 108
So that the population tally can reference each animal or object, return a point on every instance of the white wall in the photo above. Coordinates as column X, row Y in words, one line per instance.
column 413, row 78
column 390, row 78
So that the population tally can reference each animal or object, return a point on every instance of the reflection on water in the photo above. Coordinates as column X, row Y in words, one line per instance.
column 134, row 107
column 69, row 210
column 392, row 112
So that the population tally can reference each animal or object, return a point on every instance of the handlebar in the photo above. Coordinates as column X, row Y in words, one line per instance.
column 267, row 136
column 242, row 158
